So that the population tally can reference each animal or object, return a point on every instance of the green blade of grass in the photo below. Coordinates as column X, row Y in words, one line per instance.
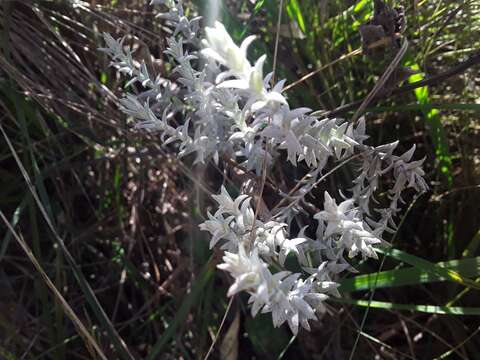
column 345, row 24
column 411, row 276
column 258, row 6
column 436, row 129
column 430, row 309
column 92, row 300
column 294, row 12
column 471, row 249
column 182, row 313
column 24, row 113
column 429, row 267
column 472, row 246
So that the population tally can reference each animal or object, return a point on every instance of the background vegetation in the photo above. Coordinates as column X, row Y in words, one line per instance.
column 110, row 215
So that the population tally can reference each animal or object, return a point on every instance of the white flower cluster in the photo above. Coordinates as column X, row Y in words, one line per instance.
column 251, row 245
column 228, row 108
column 234, row 222
column 229, row 103
column 378, row 161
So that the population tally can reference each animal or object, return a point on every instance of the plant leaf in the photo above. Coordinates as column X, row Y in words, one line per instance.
column 429, row 267
column 430, row 309
column 410, row 276
column 294, row 12
column 182, row 313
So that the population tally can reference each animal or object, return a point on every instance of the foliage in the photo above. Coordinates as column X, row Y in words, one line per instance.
column 127, row 209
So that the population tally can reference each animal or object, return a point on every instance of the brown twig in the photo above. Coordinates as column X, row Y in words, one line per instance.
column 456, row 70
column 381, row 82
column 382, row 42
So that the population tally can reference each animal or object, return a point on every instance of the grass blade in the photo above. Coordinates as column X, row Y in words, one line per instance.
column 430, row 309
column 430, row 267
column 182, row 313
column 82, row 330
column 118, row 343
column 437, row 131
column 294, row 12
column 411, row 276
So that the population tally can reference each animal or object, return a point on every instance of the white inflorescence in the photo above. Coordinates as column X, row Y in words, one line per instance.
column 230, row 109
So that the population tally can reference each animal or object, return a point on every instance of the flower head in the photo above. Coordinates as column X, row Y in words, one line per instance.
column 220, row 47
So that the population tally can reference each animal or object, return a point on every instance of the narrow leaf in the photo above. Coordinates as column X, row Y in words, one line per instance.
column 182, row 313
column 410, row 276
column 429, row 267
column 430, row 309
column 294, row 12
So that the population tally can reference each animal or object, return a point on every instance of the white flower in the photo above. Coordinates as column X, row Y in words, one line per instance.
column 168, row 3
column 336, row 216
column 220, row 47
column 294, row 300
column 228, row 108
column 324, row 273
column 251, row 80
column 282, row 130
column 279, row 304
column 408, row 174
column 247, row 270
column 352, row 233
column 290, row 246
column 227, row 204
column 219, row 228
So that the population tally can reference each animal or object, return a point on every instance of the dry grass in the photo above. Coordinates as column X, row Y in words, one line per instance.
column 127, row 210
